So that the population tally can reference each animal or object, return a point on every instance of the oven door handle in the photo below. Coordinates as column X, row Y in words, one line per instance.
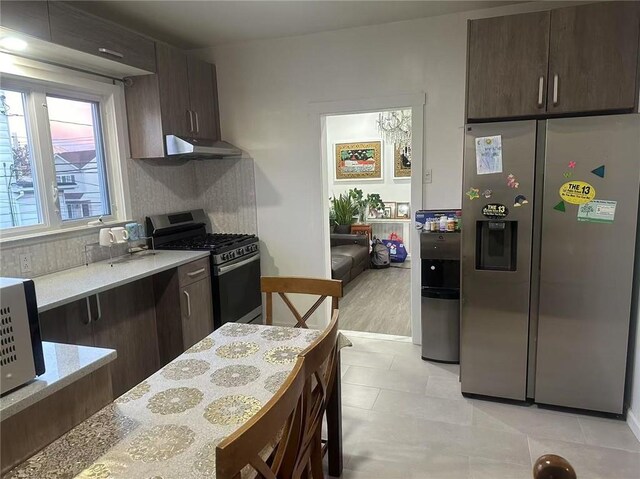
column 220, row 270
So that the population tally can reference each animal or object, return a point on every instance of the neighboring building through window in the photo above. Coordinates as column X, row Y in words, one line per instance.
column 70, row 152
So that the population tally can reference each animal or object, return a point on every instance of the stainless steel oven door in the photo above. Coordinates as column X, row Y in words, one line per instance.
column 236, row 291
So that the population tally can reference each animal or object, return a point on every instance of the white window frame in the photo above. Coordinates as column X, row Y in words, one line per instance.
column 38, row 80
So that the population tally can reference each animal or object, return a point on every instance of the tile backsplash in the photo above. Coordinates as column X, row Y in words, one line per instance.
column 224, row 188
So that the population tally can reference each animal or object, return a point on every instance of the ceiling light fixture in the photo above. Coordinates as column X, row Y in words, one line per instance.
column 13, row 44
column 395, row 127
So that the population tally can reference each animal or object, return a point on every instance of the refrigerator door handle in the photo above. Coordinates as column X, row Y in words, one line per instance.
column 540, row 90
column 555, row 89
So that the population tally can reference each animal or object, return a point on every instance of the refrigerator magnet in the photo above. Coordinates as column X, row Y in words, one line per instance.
column 572, row 164
column 567, row 174
column 597, row 211
column 520, row 200
column 599, row 171
column 487, row 193
column 560, row 207
column 473, row 193
column 512, row 182
column 495, row 211
column 577, row 192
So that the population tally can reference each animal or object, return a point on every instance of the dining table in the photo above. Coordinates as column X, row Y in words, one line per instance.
column 168, row 426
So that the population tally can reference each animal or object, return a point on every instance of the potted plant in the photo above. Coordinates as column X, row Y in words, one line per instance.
column 365, row 203
column 344, row 209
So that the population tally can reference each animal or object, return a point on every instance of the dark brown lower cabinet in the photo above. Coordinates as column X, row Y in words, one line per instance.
column 127, row 323
column 68, row 324
column 197, row 311
column 123, row 319
column 184, row 308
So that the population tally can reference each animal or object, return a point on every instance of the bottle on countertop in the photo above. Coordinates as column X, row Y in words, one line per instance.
column 443, row 223
column 427, row 225
column 451, row 225
column 434, row 225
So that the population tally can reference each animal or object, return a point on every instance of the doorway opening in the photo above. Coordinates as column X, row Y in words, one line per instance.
column 368, row 176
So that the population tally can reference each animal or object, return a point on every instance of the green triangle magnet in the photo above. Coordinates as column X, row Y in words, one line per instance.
column 559, row 207
column 599, row 171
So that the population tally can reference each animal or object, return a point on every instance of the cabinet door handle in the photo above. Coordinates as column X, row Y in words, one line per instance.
column 188, row 303
column 555, row 88
column 99, row 307
column 113, row 53
column 197, row 122
column 88, row 313
column 190, row 115
column 540, row 91
column 191, row 274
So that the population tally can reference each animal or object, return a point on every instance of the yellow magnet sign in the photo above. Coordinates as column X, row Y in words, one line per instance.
column 577, row 192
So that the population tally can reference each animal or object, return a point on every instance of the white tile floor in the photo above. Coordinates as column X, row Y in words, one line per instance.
column 405, row 418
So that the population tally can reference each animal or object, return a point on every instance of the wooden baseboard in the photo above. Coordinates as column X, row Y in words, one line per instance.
column 30, row 430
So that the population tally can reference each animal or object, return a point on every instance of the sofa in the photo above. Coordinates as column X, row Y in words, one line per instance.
column 349, row 256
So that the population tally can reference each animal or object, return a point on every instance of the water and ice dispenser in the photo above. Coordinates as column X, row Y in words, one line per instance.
column 496, row 245
column 440, row 257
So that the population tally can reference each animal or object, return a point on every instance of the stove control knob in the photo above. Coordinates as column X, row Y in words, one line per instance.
column 223, row 256
column 231, row 255
column 240, row 251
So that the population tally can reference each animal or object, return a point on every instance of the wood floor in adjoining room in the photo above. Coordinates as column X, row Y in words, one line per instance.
column 378, row 301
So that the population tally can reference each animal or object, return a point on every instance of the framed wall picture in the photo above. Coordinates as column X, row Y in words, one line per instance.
column 403, row 211
column 359, row 161
column 389, row 210
column 402, row 161
column 375, row 214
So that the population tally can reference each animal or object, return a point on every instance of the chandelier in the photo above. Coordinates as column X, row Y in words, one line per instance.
column 395, row 127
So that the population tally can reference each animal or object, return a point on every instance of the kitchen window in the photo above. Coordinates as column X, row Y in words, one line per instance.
column 54, row 158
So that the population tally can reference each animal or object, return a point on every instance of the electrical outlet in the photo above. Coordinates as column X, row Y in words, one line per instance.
column 427, row 176
column 25, row 263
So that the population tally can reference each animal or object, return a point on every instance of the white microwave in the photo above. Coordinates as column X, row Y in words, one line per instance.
column 21, row 357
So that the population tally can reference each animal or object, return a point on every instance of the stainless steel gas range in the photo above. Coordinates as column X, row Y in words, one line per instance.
column 235, row 262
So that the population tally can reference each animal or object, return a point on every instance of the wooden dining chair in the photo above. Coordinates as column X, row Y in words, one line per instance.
column 319, row 366
column 283, row 285
column 261, row 443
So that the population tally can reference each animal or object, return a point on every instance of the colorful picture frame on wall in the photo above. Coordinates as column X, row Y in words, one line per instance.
column 358, row 161
column 401, row 161
column 403, row 211
column 389, row 210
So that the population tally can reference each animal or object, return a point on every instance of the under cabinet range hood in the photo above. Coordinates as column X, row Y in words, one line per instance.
column 193, row 148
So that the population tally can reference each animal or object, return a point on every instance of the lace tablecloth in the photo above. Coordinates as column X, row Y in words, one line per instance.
column 168, row 426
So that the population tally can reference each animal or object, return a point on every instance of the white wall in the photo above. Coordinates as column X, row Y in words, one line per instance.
column 267, row 91
column 356, row 128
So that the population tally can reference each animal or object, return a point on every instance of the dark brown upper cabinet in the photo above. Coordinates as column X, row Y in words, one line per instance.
column 572, row 60
column 507, row 66
column 81, row 31
column 31, row 18
column 593, row 59
column 203, row 98
column 180, row 99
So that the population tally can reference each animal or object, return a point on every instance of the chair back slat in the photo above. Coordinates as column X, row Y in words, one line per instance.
column 284, row 285
column 278, row 422
column 319, row 365
column 301, row 285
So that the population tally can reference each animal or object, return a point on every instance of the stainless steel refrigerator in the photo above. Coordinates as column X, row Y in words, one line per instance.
column 550, row 213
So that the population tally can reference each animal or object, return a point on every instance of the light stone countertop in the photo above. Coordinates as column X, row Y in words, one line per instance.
column 57, row 289
column 64, row 364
